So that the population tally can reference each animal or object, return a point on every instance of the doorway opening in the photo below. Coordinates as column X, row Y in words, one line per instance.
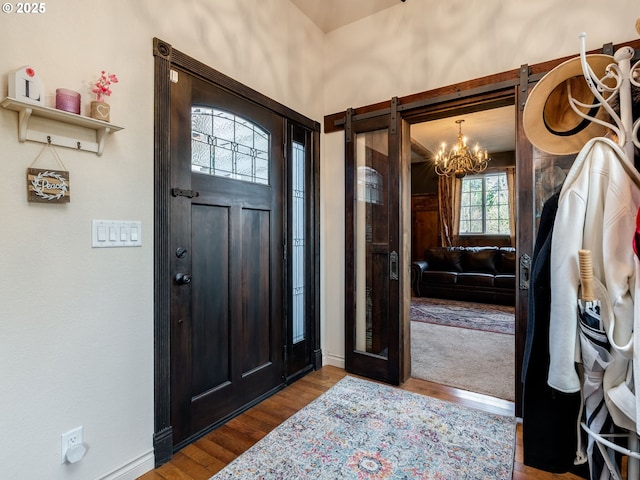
column 460, row 336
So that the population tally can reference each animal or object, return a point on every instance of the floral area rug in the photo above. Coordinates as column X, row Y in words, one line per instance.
column 475, row 316
column 363, row 430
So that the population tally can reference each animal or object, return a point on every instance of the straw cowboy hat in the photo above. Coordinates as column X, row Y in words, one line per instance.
column 549, row 121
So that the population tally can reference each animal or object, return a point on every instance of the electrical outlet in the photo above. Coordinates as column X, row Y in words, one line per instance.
column 68, row 440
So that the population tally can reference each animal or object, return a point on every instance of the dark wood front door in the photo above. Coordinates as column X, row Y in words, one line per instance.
column 227, row 247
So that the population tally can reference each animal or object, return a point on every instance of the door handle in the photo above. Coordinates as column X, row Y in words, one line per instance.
column 183, row 278
column 393, row 265
column 525, row 271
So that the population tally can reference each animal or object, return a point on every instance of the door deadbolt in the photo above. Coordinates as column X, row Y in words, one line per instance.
column 183, row 278
column 181, row 252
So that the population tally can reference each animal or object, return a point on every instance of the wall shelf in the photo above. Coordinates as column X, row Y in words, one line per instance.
column 49, row 125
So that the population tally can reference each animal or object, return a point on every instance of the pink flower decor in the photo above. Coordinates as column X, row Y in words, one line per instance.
column 103, row 85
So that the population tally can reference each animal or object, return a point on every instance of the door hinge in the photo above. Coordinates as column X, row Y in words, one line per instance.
column 179, row 192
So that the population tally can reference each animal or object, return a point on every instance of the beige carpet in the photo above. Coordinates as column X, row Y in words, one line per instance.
column 482, row 362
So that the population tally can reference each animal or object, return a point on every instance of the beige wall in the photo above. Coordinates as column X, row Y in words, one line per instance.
column 76, row 343
column 420, row 45
column 76, row 336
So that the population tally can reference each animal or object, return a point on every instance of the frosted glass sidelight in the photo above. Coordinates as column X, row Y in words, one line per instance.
column 298, row 241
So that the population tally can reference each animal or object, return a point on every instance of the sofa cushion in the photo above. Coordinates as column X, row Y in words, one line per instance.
column 479, row 259
column 444, row 259
column 505, row 281
column 439, row 278
column 506, row 261
column 476, row 279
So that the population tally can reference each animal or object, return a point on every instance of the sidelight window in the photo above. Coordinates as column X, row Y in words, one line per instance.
column 227, row 145
column 298, row 207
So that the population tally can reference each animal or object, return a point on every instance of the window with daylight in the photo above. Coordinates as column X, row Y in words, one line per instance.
column 226, row 145
column 484, row 205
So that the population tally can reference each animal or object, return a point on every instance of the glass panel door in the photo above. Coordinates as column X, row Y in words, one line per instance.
column 373, row 254
column 377, row 248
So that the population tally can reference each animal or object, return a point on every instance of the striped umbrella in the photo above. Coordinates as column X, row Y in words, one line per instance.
column 595, row 359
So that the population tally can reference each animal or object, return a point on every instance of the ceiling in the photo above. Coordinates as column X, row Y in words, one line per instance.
column 494, row 129
column 331, row 14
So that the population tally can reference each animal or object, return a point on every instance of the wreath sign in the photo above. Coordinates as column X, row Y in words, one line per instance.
column 47, row 186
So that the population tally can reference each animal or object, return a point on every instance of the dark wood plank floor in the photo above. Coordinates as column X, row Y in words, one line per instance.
column 205, row 457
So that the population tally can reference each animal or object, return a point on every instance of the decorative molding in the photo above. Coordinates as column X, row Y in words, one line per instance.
column 163, row 445
column 162, row 289
column 317, row 359
column 162, row 49
column 333, row 360
column 133, row 469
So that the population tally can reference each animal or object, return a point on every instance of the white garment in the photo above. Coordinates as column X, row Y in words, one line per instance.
column 596, row 211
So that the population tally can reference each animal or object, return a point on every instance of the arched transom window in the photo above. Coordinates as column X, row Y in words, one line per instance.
column 226, row 145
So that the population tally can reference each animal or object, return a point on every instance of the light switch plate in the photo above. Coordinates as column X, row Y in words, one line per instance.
column 116, row 233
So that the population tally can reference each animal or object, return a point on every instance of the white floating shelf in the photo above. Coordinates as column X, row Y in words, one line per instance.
column 36, row 123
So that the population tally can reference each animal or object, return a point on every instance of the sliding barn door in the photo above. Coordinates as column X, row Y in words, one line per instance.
column 377, row 249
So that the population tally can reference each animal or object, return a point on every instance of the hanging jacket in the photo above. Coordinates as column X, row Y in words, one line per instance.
column 596, row 211
column 549, row 433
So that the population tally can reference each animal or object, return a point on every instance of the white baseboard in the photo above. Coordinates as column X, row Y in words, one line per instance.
column 333, row 360
column 134, row 469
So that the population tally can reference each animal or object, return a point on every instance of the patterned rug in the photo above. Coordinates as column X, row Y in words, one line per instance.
column 364, row 430
column 475, row 316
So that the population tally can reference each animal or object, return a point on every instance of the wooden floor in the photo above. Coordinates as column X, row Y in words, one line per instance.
column 205, row 457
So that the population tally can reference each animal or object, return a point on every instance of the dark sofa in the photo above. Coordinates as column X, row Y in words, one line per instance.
column 474, row 274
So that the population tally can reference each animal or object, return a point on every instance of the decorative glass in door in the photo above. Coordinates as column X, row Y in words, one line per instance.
column 374, row 261
column 549, row 174
column 226, row 145
column 298, row 220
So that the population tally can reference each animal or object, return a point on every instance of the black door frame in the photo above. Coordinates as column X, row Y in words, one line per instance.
column 165, row 57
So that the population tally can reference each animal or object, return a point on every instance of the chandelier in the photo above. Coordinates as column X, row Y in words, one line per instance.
column 461, row 159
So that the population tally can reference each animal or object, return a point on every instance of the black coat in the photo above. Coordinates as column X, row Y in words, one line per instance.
column 549, row 417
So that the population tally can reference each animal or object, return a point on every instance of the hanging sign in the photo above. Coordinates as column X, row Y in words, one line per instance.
column 48, row 186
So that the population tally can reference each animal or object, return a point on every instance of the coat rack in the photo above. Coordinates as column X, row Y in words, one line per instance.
column 626, row 131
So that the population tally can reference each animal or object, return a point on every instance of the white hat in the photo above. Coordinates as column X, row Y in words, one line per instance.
column 549, row 121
